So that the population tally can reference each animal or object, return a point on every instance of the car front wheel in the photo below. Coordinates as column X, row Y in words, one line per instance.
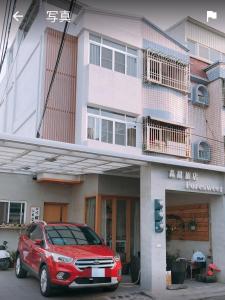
column 19, row 269
column 45, row 284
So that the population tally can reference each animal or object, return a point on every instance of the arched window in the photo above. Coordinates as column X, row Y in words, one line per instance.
column 202, row 151
column 200, row 95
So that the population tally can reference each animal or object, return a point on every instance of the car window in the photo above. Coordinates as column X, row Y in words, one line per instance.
column 29, row 229
column 72, row 235
column 36, row 233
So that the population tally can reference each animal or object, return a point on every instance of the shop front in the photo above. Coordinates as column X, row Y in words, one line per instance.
column 193, row 219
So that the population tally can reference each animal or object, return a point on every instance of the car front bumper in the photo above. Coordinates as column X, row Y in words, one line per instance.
column 94, row 282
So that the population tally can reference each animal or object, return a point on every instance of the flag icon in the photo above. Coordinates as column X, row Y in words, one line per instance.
column 211, row 15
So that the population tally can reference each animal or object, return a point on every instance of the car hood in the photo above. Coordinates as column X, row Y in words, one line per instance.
column 84, row 251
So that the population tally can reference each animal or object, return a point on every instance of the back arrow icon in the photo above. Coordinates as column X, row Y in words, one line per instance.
column 16, row 16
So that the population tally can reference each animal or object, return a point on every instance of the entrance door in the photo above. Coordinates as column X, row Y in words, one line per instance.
column 116, row 214
column 55, row 212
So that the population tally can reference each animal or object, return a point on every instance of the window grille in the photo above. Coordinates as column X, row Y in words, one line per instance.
column 165, row 71
column 166, row 138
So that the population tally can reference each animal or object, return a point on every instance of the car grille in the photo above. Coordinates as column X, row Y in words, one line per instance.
column 95, row 262
column 92, row 280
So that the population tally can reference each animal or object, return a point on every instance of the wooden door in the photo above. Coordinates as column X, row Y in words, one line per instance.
column 55, row 212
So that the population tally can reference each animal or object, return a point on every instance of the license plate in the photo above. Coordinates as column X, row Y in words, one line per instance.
column 97, row 272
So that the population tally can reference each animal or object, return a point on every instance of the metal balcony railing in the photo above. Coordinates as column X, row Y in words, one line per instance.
column 166, row 138
column 166, row 71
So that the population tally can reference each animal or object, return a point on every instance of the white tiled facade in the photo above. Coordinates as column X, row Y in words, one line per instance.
column 130, row 109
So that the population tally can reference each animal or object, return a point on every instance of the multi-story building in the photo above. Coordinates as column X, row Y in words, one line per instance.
column 131, row 118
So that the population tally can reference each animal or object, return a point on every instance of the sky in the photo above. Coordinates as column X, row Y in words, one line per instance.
column 161, row 12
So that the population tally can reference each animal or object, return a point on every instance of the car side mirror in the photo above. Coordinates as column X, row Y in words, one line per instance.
column 38, row 242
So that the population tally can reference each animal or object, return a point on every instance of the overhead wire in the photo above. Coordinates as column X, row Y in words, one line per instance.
column 10, row 17
column 4, row 25
column 71, row 8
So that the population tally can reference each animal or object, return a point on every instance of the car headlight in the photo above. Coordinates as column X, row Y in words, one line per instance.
column 61, row 258
column 117, row 257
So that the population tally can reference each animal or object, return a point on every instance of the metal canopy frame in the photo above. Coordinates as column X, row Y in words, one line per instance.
column 33, row 156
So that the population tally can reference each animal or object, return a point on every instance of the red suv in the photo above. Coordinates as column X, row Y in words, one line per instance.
column 66, row 255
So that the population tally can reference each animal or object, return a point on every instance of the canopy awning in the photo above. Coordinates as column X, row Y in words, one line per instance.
column 34, row 156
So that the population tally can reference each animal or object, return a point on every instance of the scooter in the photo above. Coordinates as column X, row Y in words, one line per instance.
column 4, row 257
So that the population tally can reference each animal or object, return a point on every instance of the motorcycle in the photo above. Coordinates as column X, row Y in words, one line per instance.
column 5, row 259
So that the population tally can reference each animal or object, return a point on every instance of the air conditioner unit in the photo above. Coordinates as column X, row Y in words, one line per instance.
column 200, row 95
column 201, row 155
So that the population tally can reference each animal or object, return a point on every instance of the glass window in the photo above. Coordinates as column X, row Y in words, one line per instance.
column 16, row 213
column 120, row 133
column 95, row 38
column 203, row 52
column 105, row 52
column 106, row 224
column 131, row 135
column 36, row 233
column 93, row 110
column 72, row 235
column 112, row 115
column 131, row 66
column 114, row 45
column 93, row 128
column 106, row 58
column 107, row 131
column 132, row 51
column 192, row 47
column 121, row 228
column 215, row 55
column 3, row 212
column 119, row 62
column 95, row 54
column 90, row 212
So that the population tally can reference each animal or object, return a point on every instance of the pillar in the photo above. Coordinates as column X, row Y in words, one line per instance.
column 218, row 234
column 153, row 245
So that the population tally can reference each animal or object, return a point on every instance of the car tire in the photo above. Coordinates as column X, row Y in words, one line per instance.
column 19, row 268
column 45, row 283
column 111, row 288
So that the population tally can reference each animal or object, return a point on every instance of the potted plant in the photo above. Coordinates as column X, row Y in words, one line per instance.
column 192, row 225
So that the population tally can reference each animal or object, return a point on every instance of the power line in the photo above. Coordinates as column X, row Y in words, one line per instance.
column 7, row 33
column 72, row 4
column 3, row 24
column 6, row 23
column 10, row 73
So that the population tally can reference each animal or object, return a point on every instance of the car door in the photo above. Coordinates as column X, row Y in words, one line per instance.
column 27, row 243
column 37, row 250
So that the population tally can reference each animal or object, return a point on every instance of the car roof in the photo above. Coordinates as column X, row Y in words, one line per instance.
column 63, row 224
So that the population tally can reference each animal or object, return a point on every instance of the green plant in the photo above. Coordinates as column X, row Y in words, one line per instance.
column 13, row 256
column 192, row 224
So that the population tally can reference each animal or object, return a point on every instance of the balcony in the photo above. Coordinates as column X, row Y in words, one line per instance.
column 166, row 71
column 166, row 138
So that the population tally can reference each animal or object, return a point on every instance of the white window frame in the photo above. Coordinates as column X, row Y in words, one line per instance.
column 20, row 202
column 197, row 44
column 114, row 120
column 126, row 53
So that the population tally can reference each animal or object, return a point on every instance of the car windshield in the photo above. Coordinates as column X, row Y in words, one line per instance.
column 72, row 235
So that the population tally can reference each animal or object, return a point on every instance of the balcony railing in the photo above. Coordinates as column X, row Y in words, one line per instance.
column 166, row 71
column 166, row 138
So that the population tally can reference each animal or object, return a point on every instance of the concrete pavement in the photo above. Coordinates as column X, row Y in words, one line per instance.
column 28, row 289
